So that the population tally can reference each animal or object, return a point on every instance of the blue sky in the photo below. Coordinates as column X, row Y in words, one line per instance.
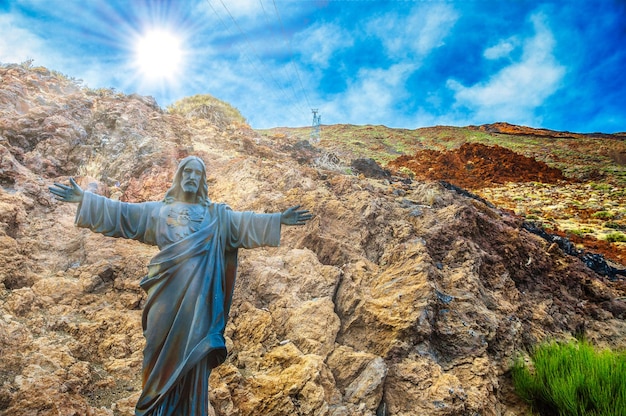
column 409, row 64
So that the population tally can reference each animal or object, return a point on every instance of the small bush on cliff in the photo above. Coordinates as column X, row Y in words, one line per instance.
column 573, row 379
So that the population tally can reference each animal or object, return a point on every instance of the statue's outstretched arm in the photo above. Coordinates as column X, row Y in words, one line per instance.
column 293, row 216
column 72, row 193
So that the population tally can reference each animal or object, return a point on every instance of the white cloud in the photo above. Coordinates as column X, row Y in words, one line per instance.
column 418, row 33
column 502, row 49
column 319, row 43
column 515, row 92
column 17, row 44
column 372, row 97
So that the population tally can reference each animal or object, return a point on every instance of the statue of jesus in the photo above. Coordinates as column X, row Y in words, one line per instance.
column 190, row 282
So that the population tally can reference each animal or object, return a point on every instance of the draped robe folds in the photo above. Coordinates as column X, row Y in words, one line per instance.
column 189, row 286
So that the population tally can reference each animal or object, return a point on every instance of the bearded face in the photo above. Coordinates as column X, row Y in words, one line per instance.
column 189, row 184
column 191, row 177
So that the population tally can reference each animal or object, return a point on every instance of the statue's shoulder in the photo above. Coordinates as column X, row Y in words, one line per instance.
column 219, row 207
column 154, row 206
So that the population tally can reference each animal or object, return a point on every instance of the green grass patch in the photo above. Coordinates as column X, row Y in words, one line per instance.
column 615, row 237
column 603, row 215
column 572, row 379
column 612, row 224
column 406, row 172
column 601, row 186
column 580, row 232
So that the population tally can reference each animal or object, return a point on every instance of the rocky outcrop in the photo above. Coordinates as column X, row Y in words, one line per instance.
column 398, row 298
column 507, row 128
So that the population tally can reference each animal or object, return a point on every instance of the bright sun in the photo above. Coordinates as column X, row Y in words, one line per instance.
column 159, row 55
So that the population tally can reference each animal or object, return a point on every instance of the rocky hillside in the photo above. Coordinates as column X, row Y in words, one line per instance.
column 401, row 297
column 570, row 184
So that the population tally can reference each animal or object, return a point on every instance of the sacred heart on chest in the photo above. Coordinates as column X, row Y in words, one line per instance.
column 184, row 217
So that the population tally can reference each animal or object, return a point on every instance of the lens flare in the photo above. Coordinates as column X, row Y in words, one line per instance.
column 159, row 55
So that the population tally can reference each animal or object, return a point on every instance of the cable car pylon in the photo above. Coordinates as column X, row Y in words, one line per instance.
column 315, row 129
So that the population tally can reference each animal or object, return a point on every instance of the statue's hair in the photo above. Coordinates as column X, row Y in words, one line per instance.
column 175, row 193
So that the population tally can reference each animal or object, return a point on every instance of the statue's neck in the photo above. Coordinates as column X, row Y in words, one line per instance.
column 188, row 197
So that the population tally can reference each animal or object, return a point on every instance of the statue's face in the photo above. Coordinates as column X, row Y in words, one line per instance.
column 192, row 175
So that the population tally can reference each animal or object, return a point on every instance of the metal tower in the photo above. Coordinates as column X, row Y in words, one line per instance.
column 315, row 131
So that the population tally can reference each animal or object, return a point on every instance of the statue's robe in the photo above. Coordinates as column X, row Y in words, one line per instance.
column 189, row 286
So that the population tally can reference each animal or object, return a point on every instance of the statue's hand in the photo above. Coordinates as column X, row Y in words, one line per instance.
column 72, row 193
column 291, row 216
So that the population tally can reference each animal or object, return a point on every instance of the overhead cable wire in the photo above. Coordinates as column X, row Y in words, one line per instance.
column 269, row 20
column 253, row 49
column 291, row 57
column 258, row 71
column 288, row 42
column 227, row 27
column 250, row 44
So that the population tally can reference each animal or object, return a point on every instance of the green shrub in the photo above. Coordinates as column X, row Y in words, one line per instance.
column 616, row 237
column 580, row 232
column 406, row 172
column 603, row 215
column 612, row 224
column 601, row 186
column 573, row 379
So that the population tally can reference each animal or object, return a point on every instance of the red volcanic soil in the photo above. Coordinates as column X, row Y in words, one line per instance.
column 475, row 166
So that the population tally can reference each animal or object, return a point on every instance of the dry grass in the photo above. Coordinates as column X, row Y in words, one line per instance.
column 209, row 108
column 330, row 161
